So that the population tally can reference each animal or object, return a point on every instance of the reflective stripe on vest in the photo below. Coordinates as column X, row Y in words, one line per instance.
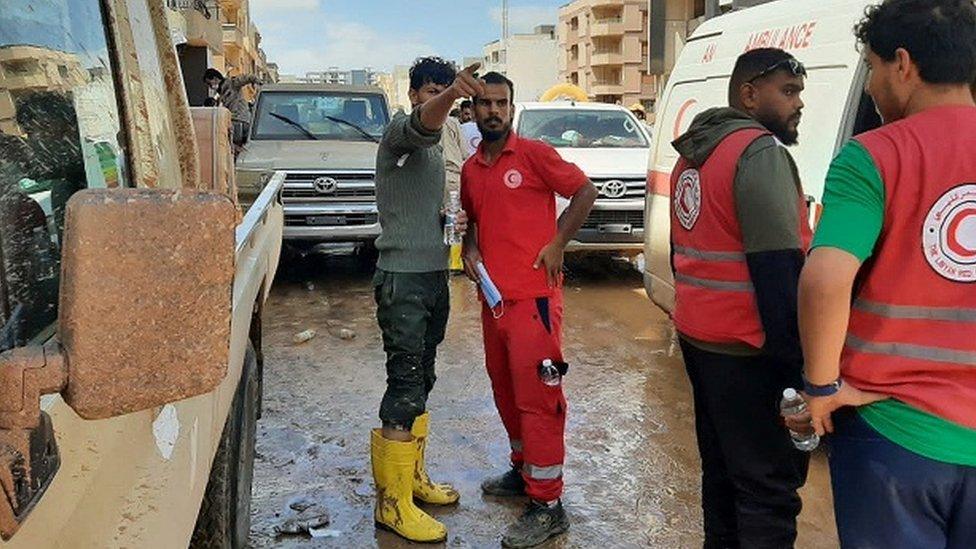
column 709, row 256
column 714, row 295
column 906, row 312
column 551, row 472
column 720, row 285
column 908, row 350
column 912, row 331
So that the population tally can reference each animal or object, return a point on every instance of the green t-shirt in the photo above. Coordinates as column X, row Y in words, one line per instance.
column 854, row 198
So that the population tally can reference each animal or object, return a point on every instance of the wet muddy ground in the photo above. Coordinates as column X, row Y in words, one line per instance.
column 632, row 472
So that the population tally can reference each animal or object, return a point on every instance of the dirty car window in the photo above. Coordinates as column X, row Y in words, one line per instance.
column 580, row 128
column 318, row 112
column 59, row 133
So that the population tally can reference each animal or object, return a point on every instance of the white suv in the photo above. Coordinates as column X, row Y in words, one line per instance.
column 611, row 146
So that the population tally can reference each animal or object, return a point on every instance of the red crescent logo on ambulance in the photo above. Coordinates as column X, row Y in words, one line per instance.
column 687, row 198
column 949, row 234
column 513, row 179
column 678, row 120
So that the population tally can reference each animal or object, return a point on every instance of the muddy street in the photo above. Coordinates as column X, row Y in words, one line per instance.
column 632, row 466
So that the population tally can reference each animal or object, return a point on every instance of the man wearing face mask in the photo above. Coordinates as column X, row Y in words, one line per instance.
column 509, row 188
column 739, row 232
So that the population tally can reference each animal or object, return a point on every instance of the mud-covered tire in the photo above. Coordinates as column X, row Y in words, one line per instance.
column 224, row 520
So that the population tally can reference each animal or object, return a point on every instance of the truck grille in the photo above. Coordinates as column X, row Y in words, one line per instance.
column 634, row 218
column 331, row 220
column 332, row 187
column 611, row 188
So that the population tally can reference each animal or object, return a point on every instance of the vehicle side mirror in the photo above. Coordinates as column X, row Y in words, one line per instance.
column 146, row 297
column 145, row 318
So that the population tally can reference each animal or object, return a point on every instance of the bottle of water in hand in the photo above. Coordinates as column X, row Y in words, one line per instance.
column 791, row 405
column 452, row 236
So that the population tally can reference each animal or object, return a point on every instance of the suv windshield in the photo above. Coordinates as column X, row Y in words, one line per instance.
column 582, row 129
column 319, row 115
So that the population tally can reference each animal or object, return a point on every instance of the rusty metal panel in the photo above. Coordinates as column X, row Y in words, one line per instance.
column 145, row 312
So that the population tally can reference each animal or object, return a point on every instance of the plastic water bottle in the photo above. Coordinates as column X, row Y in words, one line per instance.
column 549, row 373
column 791, row 405
column 452, row 236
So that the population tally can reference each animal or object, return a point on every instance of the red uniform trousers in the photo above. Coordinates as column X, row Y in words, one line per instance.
column 534, row 414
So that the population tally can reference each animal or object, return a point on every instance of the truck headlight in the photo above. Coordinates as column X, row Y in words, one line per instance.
column 250, row 183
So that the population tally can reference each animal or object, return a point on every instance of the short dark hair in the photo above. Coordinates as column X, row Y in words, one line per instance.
column 466, row 104
column 212, row 73
column 939, row 35
column 499, row 78
column 431, row 70
column 751, row 64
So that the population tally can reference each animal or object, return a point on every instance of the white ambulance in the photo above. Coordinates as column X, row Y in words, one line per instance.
column 820, row 34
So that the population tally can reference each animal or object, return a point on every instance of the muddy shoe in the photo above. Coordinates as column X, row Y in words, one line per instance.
column 539, row 523
column 508, row 484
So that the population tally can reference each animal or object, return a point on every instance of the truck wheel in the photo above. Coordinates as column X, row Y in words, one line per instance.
column 224, row 521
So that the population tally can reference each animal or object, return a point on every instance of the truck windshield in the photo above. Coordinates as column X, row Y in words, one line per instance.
column 324, row 115
column 581, row 128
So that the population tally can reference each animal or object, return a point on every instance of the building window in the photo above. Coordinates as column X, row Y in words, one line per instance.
column 574, row 23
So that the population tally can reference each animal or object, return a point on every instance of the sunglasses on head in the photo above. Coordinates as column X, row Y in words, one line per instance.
column 795, row 67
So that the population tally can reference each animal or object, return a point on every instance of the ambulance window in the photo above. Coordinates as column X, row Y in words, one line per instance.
column 867, row 115
column 59, row 132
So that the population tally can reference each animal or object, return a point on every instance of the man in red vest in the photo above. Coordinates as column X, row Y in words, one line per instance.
column 892, row 372
column 739, row 233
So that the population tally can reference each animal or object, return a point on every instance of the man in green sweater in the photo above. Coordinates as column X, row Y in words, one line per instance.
column 411, row 294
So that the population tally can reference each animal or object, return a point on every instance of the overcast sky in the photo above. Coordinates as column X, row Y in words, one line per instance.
column 309, row 35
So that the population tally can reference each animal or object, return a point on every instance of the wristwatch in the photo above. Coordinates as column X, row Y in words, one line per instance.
column 829, row 389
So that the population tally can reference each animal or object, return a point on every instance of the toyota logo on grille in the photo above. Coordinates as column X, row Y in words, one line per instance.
column 614, row 188
column 325, row 185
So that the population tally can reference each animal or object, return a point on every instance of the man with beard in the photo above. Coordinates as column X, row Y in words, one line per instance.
column 509, row 190
column 739, row 232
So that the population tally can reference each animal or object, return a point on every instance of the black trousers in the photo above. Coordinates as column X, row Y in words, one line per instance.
column 750, row 469
column 412, row 310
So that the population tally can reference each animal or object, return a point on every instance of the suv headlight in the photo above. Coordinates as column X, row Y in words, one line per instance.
column 250, row 183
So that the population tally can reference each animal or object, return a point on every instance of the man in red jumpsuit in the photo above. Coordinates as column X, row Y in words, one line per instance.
column 509, row 190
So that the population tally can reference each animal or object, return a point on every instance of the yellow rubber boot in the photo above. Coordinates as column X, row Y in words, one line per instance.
column 423, row 488
column 393, row 468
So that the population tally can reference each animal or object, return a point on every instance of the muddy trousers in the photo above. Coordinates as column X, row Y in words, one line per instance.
column 750, row 470
column 534, row 414
column 412, row 311
column 887, row 496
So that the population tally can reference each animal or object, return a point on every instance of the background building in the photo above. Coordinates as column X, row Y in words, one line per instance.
column 217, row 34
column 242, row 43
column 531, row 61
column 29, row 69
column 604, row 49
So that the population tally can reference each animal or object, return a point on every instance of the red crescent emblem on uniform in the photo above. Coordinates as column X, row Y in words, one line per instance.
column 687, row 198
column 949, row 234
column 513, row 179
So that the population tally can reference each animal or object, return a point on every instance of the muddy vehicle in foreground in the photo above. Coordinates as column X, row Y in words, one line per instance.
column 131, row 289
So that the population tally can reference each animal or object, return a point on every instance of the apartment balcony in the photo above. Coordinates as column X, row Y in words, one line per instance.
column 612, row 26
column 606, row 3
column 606, row 87
column 231, row 4
column 202, row 30
column 602, row 58
column 233, row 37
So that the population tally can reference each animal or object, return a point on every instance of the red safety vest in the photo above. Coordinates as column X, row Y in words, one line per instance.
column 714, row 296
column 912, row 333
